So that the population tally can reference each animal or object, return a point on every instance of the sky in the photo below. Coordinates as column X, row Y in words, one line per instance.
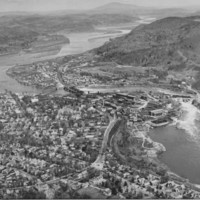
column 53, row 5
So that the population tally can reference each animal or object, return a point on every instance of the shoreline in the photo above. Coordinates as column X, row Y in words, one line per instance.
column 60, row 57
column 39, row 46
column 161, row 149
column 169, row 171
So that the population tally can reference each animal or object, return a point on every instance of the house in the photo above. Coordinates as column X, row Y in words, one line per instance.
column 89, row 136
column 111, row 105
column 34, row 100
column 157, row 112
column 187, row 97
column 123, row 95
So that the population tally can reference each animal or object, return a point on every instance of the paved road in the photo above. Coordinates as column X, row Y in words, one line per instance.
column 101, row 157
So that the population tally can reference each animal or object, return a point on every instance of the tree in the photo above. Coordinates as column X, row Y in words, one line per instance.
column 92, row 173
column 139, row 196
column 161, row 171
column 1, row 126
column 32, row 194
column 125, row 184
column 61, row 195
column 120, row 189
column 84, row 196
column 129, row 195
column 164, row 179
column 114, row 191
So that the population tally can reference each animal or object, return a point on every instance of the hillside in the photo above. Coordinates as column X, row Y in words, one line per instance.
column 21, row 31
column 70, row 22
column 117, row 8
column 172, row 43
column 133, row 10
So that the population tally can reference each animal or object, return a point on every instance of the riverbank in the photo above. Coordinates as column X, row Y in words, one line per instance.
column 180, row 139
column 41, row 44
column 147, row 145
column 119, row 135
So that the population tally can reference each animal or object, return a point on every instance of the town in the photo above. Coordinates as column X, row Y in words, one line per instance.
column 99, row 99
column 86, row 71
column 87, row 145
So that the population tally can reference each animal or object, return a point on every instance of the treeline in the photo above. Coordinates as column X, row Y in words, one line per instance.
column 96, row 75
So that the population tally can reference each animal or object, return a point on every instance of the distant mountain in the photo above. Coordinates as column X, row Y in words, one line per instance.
column 170, row 12
column 134, row 10
column 11, row 13
column 19, row 30
column 117, row 8
column 172, row 43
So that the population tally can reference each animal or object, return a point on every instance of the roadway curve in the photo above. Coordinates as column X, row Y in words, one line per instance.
column 101, row 157
column 115, row 126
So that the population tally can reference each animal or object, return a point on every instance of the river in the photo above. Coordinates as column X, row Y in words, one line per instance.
column 79, row 43
column 182, row 144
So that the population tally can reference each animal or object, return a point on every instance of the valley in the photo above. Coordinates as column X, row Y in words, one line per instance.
column 98, row 104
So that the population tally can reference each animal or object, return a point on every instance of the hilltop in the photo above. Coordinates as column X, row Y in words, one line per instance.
column 148, row 40
column 171, row 43
column 20, row 31
column 134, row 10
column 116, row 7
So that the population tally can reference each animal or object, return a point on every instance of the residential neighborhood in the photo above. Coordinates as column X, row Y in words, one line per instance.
column 48, row 141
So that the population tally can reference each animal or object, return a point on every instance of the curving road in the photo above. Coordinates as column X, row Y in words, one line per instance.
column 98, row 164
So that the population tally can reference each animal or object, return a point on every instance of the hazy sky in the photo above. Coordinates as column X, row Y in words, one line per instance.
column 49, row 5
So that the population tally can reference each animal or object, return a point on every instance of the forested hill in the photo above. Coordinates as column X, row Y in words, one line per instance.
column 173, row 43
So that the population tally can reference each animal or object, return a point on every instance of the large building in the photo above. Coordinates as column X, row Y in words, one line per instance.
column 123, row 95
column 157, row 112
column 74, row 90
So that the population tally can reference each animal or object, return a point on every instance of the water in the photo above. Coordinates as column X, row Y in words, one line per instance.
column 80, row 42
column 182, row 144
column 10, row 84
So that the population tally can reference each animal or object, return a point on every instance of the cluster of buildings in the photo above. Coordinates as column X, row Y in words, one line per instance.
column 131, row 185
column 83, row 71
column 45, row 138
column 38, row 75
column 50, row 143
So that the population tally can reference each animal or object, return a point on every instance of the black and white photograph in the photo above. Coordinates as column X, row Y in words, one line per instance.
column 99, row 99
